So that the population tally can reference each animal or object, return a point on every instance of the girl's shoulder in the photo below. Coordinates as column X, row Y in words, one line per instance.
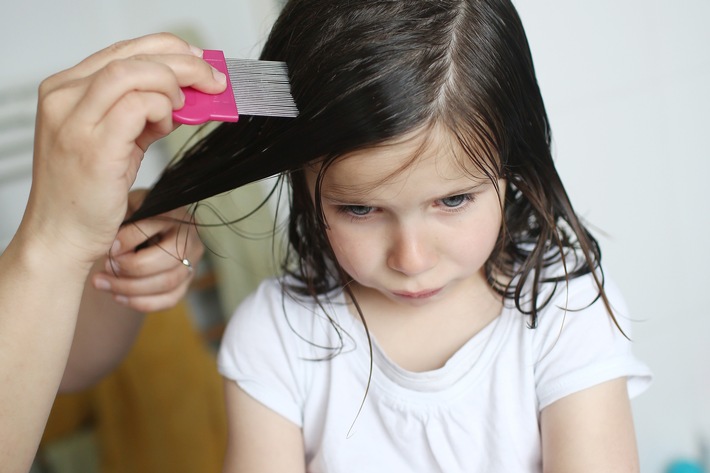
column 283, row 293
column 582, row 339
column 277, row 310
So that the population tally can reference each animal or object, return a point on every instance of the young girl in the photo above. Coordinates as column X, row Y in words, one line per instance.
column 443, row 308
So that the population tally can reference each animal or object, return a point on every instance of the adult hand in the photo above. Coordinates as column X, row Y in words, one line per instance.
column 94, row 123
column 145, row 269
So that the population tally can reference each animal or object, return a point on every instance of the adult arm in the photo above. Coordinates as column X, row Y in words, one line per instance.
column 94, row 123
column 590, row 431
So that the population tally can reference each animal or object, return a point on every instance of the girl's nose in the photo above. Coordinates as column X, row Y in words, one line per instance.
column 411, row 253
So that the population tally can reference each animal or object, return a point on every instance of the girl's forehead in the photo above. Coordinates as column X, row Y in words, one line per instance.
column 434, row 149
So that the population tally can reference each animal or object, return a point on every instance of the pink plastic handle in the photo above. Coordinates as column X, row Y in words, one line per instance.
column 201, row 107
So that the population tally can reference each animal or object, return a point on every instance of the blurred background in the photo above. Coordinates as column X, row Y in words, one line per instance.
column 626, row 87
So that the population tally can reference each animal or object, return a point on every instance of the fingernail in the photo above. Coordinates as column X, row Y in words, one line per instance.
column 112, row 266
column 121, row 299
column 115, row 247
column 196, row 51
column 219, row 76
column 102, row 284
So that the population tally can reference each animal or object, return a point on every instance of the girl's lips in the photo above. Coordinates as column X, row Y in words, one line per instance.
column 418, row 295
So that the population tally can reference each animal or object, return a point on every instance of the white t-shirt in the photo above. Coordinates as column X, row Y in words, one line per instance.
column 479, row 412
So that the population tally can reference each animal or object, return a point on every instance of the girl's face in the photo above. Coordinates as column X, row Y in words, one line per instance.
column 411, row 221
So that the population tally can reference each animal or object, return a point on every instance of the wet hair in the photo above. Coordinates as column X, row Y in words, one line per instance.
column 364, row 73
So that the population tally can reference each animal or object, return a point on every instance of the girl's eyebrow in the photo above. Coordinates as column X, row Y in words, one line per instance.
column 337, row 197
column 342, row 199
column 466, row 190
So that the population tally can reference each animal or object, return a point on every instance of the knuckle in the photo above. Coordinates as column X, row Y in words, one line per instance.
column 116, row 69
column 54, row 103
column 150, row 106
column 46, row 86
column 128, row 266
column 164, row 104
column 163, row 41
column 53, row 93
column 169, row 40
column 150, row 42
column 50, row 100
column 129, row 105
column 132, row 99
column 119, row 47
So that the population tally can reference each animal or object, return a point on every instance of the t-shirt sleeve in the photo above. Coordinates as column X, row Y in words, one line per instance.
column 258, row 352
column 577, row 345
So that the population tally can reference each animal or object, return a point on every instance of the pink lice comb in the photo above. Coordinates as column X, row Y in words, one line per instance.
column 254, row 87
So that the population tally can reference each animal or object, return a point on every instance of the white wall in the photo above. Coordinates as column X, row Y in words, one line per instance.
column 626, row 85
column 42, row 36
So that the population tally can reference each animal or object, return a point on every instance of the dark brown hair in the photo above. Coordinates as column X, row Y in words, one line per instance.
column 366, row 72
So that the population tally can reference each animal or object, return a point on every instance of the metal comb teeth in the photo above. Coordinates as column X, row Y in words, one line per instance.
column 261, row 87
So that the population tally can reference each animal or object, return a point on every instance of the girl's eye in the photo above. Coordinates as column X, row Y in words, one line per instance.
column 356, row 210
column 456, row 201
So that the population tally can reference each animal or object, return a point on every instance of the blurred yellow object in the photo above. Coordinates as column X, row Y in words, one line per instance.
column 162, row 410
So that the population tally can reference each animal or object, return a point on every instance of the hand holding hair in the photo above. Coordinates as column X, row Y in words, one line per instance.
column 150, row 265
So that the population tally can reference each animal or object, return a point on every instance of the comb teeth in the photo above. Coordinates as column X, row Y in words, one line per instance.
column 261, row 88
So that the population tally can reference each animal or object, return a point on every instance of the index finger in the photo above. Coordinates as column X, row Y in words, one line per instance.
column 159, row 43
